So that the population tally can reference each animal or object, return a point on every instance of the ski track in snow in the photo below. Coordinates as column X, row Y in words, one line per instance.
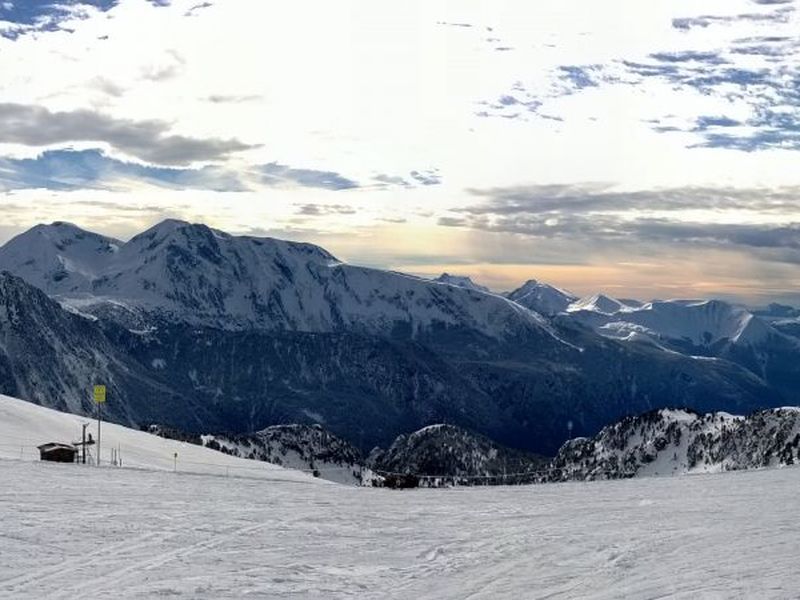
column 69, row 531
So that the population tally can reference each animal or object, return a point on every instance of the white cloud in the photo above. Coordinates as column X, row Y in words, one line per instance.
column 373, row 92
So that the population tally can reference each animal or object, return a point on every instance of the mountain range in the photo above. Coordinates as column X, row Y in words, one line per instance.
column 205, row 331
column 680, row 441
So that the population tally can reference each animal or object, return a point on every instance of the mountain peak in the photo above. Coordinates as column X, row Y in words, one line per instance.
column 541, row 297
column 599, row 303
column 461, row 281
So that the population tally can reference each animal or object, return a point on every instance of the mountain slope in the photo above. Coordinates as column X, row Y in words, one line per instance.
column 542, row 298
column 454, row 454
column 24, row 426
column 211, row 332
column 667, row 442
column 462, row 282
column 711, row 328
column 195, row 274
column 53, row 358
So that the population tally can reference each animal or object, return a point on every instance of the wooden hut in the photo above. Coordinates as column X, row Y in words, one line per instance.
column 56, row 452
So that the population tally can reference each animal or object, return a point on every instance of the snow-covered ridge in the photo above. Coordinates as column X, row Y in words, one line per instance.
column 453, row 453
column 542, row 298
column 698, row 322
column 204, row 276
column 674, row 442
column 24, row 426
column 308, row 448
column 462, row 282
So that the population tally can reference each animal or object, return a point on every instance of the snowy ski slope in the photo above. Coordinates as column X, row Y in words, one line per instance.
column 73, row 532
column 23, row 426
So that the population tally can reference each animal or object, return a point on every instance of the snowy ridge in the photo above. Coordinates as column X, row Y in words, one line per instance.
column 542, row 298
column 23, row 426
column 699, row 322
column 454, row 454
column 203, row 276
column 462, row 282
column 675, row 442
column 308, row 448
column 599, row 303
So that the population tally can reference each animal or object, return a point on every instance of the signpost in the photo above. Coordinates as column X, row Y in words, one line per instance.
column 99, row 400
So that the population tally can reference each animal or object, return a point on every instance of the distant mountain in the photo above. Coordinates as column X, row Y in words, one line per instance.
column 177, row 271
column 462, row 282
column 707, row 328
column 542, row 298
column 456, row 456
column 307, row 448
column 669, row 442
column 212, row 332
column 602, row 304
column 778, row 311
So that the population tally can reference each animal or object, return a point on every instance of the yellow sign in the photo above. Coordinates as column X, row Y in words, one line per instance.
column 99, row 393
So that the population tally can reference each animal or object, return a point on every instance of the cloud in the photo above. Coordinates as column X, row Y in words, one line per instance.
column 318, row 210
column 232, row 98
column 91, row 169
column 426, row 177
column 147, row 140
column 275, row 173
column 601, row 197
column 594, row 214
column 31, row 16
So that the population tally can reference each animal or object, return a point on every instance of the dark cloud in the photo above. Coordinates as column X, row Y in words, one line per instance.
column 426, row 177
column 592, row 214
column 580, row 77
column 191, row 12
column 148, row 140
column 689, row 56
column 391, row 180
column 781, row 15
column 599, row 197
column 71, row 170
column 276, row 173
column 318, row 210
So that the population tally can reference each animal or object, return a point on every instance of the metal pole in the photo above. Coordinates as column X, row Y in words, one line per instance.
column 99, row 405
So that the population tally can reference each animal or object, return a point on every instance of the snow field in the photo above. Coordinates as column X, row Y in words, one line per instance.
column 23, row 426
column 117, row 533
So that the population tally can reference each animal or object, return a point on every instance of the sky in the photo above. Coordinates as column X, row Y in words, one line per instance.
column 642, row 149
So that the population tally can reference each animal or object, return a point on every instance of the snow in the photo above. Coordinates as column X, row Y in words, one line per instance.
column 207, row 277
column 120, row 533
column 542, row 298
column 598, row 303
column 700, row 322
column 24, row 426
column 70, row 531
column 462, row 282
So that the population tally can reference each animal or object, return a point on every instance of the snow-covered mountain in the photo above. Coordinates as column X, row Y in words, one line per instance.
column 462, row 282
column 53, row 358
column 542, row 298
column 602, row 304
column 307, row 448
column 697, row 322
column 670, row 442
column 192, row 273
column 204, row 331
column 454, row 455
column 706, row 328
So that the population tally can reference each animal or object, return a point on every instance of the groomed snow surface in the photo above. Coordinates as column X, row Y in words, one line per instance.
column 69, row 531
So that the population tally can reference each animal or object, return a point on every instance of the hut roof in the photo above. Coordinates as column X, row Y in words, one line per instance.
column 55, row 446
